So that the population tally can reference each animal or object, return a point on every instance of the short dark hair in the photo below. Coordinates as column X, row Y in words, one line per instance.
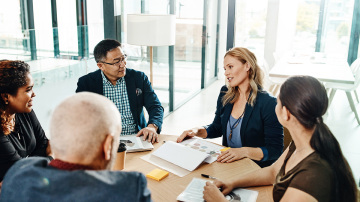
column 103, row 47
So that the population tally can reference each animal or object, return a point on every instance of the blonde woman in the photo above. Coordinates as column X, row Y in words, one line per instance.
column 245, row 114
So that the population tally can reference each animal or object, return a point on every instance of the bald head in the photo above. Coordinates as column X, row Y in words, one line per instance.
column 80, row 125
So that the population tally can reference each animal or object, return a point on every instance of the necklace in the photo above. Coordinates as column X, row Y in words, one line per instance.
column 14, row 129
column 236, row 123
column 238, row 120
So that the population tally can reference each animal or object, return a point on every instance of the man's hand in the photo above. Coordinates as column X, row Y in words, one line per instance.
column 149, row 133
column 232, row 154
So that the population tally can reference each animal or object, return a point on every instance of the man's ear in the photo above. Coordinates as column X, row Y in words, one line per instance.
column 100, row 65
column 108, row 146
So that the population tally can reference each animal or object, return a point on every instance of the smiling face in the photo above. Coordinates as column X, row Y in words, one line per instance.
column 22, row 101
column 116, row 71
column 236, row 72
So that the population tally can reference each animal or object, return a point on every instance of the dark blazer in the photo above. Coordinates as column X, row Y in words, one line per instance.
column 32, row 179
column 260, row 126
column 139, row 91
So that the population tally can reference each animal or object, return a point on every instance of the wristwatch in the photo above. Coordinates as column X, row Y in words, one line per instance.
column 156, row 127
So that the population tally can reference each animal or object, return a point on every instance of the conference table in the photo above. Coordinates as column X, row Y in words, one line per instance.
column 170, row 187
column 325, row 68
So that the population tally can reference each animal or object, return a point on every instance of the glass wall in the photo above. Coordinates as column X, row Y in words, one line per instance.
column 67, row 27
column 189, row 22
column 62, row 30
column 13, row 39
column 250, row 26
column 324, row 26
column 43, row 28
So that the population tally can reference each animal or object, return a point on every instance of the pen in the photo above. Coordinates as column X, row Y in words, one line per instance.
column 208, row 176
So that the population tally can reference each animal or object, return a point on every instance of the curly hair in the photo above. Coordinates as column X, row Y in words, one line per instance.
column 13, row 74
column 256, row 75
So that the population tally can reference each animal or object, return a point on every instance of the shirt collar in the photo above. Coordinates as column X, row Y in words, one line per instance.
column 106, row 81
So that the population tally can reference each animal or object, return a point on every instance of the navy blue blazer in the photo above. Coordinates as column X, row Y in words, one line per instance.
column 139, row 91
column 32, row 179
column 259, row 128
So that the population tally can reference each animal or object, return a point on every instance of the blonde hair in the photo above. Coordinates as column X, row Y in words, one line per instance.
column 256, row 75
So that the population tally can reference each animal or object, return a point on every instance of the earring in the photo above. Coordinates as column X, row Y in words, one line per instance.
column 6, row 102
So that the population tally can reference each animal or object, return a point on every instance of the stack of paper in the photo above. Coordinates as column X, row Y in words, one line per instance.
column 194, row 192
column 181, row 155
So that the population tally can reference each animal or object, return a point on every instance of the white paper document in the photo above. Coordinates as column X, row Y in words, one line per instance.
column 161, row 163
column 204, row 146
column 194, row 193
column 135, row 144
column 181, row 155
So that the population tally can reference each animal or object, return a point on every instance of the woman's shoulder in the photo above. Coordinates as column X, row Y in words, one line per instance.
column 264, row 98
column 223, row 89
column 316, row 164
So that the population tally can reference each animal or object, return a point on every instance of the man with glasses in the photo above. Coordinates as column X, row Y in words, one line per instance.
column 130, row 90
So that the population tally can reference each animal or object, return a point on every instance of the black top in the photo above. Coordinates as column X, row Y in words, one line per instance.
column 27, row 139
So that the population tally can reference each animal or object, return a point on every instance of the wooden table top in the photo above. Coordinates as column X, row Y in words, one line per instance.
column 169, row 188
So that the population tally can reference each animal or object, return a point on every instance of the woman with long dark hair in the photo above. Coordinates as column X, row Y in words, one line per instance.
column 245, row 115
column 21, row 134
column 313, row 167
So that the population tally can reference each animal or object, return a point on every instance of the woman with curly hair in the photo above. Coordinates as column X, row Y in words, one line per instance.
column 245, row 114
column 21, row 134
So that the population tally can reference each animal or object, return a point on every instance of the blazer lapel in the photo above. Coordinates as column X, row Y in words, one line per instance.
column 98, row 83
column 225, row 117
column 131, row 91
column 245, row 121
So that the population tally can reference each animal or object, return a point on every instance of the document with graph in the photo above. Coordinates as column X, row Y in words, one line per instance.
column 212, row 149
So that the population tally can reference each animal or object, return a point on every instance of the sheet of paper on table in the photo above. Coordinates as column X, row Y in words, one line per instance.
column 161, row 163
column 194, row 193
column 204, row 146
column 181, row 155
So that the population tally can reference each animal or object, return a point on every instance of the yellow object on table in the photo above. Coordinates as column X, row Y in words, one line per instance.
column 224, row 149
column 157, row 174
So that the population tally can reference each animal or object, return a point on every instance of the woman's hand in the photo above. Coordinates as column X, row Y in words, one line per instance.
column 187, row 134
column 232, row 154
column 212, row 192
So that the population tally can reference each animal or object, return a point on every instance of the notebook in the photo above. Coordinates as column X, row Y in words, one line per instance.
column 135, row 144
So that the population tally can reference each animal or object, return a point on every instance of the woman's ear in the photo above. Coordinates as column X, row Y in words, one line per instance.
column 108, row 147
column 5, row 97
column 285, row 113
column 247, row 66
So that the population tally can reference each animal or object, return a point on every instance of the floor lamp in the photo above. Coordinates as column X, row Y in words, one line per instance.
column 151, row 30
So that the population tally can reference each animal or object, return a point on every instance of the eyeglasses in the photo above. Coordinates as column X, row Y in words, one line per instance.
column 118, row 61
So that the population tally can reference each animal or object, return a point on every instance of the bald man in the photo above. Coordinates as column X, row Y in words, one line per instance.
column 84, row 151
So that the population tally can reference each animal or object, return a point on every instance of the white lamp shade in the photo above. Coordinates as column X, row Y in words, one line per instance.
column 151, row 30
